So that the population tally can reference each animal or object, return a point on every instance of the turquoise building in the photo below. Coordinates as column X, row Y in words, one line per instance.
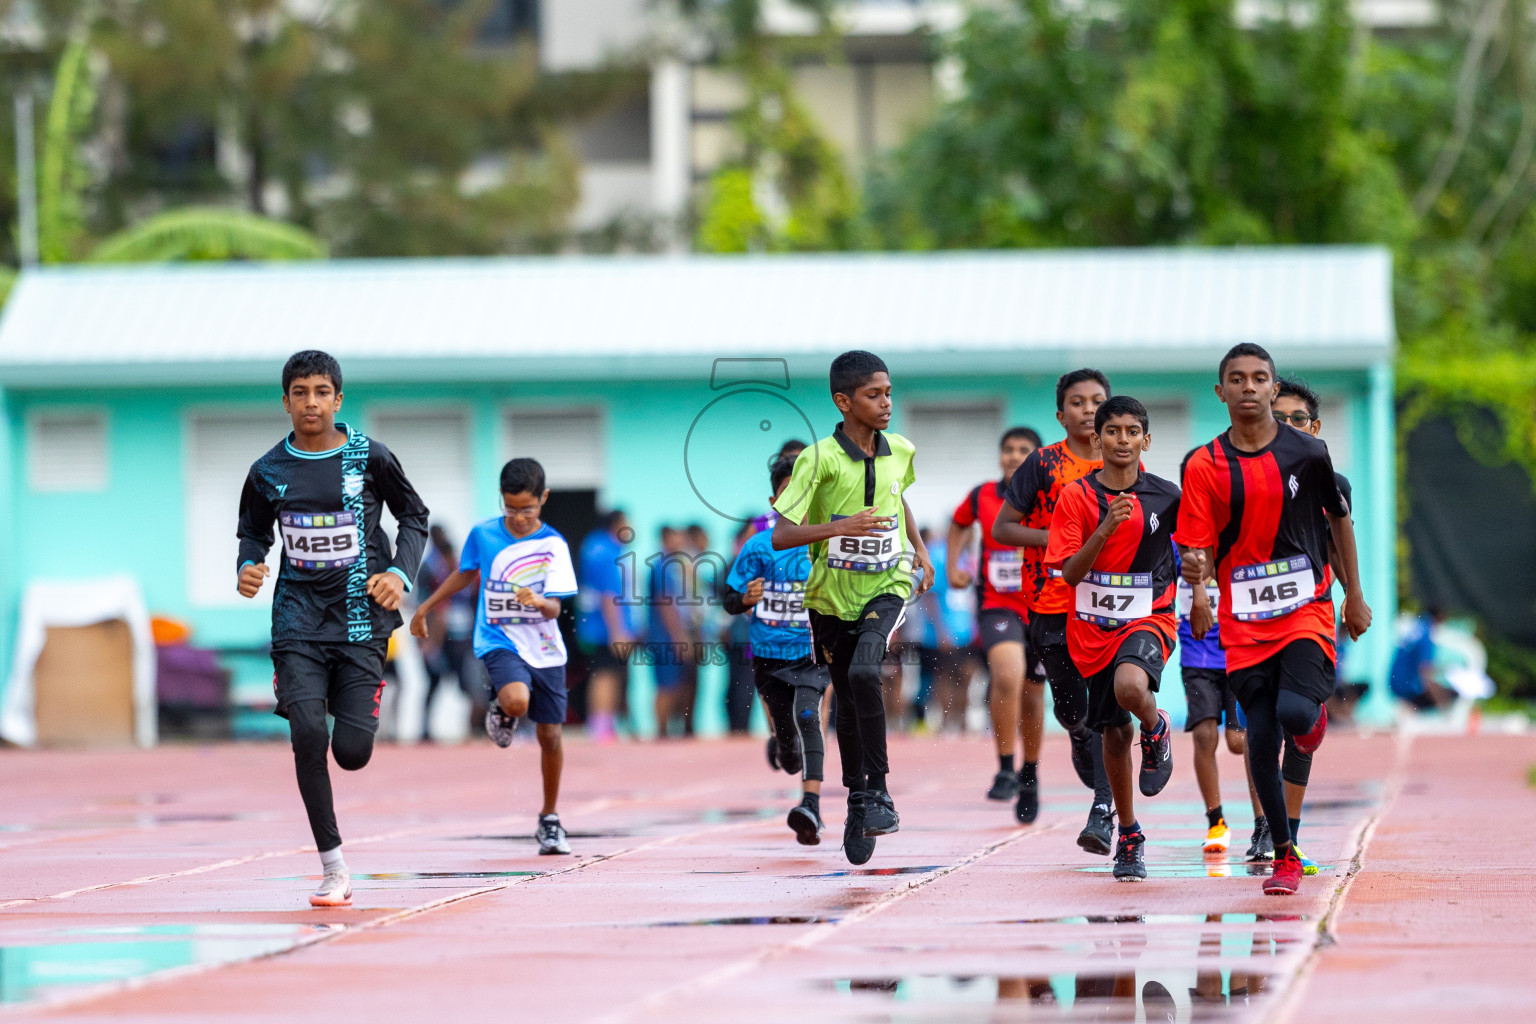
column 135, row 398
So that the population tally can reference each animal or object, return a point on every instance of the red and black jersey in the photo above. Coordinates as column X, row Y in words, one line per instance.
column 1034, row 490
column 1001, row 574
column 1134, row 579
column 1264, row 514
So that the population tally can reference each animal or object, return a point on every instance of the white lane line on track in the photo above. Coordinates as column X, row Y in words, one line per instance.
column 590, row 807
column 1286, row 1007
column 193, row 970
column 814, row 936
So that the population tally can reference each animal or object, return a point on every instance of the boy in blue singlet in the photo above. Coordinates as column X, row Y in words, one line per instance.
column 522, row 568
column 771, row 586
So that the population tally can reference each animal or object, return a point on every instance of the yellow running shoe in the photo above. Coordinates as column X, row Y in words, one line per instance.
column 1218, row 838
column 1308, row 865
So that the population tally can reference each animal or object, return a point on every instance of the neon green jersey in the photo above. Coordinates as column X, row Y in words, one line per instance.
column 834, row 479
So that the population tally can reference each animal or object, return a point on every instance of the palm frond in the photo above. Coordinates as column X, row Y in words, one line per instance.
column 203, row 233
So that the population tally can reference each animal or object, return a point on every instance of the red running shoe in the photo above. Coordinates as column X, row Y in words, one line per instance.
column 1310, row 740
column 1286, row 878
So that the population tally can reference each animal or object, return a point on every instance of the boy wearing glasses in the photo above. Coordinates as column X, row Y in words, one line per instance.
column 523, row 568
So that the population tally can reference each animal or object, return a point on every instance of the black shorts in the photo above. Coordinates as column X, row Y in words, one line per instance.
column 1209, row 696
column 802, row 672
column 349, row 677
column 833, row 639
column 1142, row 648
column 999, row 626
column 1301, row 666
column 547, row 698
column 1046, row 644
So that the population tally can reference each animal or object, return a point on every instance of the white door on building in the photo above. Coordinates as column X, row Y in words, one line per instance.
column 956, row 450
column 220, row 449
column 433, row 448
column 568, row 443
column 1169, row 425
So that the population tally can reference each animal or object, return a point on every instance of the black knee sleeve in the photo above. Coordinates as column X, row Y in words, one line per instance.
column 807, row 710
column 1295, row 767
column 307, row 732
column 1297, row 714
column 1069, row 691
column 351, row 747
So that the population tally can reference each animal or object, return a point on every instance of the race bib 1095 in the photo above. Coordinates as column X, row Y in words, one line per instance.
column 1273, row 589
column 319, row 540
column 783, row 605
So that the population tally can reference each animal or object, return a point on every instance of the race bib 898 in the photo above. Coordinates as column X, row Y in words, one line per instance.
column 319, row 540
column 866, row 554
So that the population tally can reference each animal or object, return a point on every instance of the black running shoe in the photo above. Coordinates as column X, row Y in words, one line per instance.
column 1158, row 1003
column 1156, row 757
column 880, row 817
column 1098, row 836
column 1005, row 786
column 773, row 752
column 1129, row 864
column 789, row 757
column 1263, row 845
column 1082, row 754
column 857, row 846
column 1028, row 807
column 806, row 824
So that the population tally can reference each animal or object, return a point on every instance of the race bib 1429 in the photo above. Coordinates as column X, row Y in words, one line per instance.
column 319, row 540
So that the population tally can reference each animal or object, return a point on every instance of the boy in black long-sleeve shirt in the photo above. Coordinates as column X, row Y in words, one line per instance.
column 339, row 586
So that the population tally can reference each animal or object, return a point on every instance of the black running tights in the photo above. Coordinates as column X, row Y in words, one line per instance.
column 351, row 746
column 796, row 712
column 1272, row 716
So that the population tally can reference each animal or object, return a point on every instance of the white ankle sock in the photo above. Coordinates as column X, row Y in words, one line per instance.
column 332, row 859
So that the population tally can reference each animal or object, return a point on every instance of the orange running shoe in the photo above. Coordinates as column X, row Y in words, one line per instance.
column 1218, row 837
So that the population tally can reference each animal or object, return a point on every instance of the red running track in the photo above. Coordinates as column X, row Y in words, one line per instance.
column 170, row 886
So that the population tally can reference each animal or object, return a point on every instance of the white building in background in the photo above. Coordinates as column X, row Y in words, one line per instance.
column 643, row 159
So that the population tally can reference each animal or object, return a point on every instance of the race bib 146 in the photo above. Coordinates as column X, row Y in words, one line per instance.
column 1273, row 589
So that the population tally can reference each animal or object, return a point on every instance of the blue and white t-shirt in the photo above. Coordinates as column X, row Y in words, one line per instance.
column 781, row 627
column 541, row 562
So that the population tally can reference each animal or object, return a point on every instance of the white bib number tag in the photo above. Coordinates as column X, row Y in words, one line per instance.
column 783, row 605
column 866, row 554
column 1114, row 598
column 1005, row 571
column 319, row 541
column 1184, row 601
column 502, row 609
column 1273, row 589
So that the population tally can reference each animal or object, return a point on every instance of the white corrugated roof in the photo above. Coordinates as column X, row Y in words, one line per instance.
column 657, row 316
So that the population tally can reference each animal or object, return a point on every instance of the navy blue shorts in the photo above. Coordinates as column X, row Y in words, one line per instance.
column 546, row 686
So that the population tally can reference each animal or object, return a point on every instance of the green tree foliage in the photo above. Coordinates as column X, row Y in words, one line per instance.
column 1149, row 123
column 196, row 233
column 63, row 174
column 789, row 188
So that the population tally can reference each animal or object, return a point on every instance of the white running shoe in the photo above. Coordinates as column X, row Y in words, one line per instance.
column 335, row 889
column 499, row 725
column 551, row 835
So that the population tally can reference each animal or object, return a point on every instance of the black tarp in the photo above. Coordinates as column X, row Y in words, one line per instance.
column 1471, row 532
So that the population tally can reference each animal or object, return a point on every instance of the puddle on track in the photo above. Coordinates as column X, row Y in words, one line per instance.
column 414, row 876
column 85, row 958
column 919, row 869
column 728, row 922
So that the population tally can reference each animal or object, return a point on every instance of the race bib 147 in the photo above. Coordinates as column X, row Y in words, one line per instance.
column 1114, row 598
